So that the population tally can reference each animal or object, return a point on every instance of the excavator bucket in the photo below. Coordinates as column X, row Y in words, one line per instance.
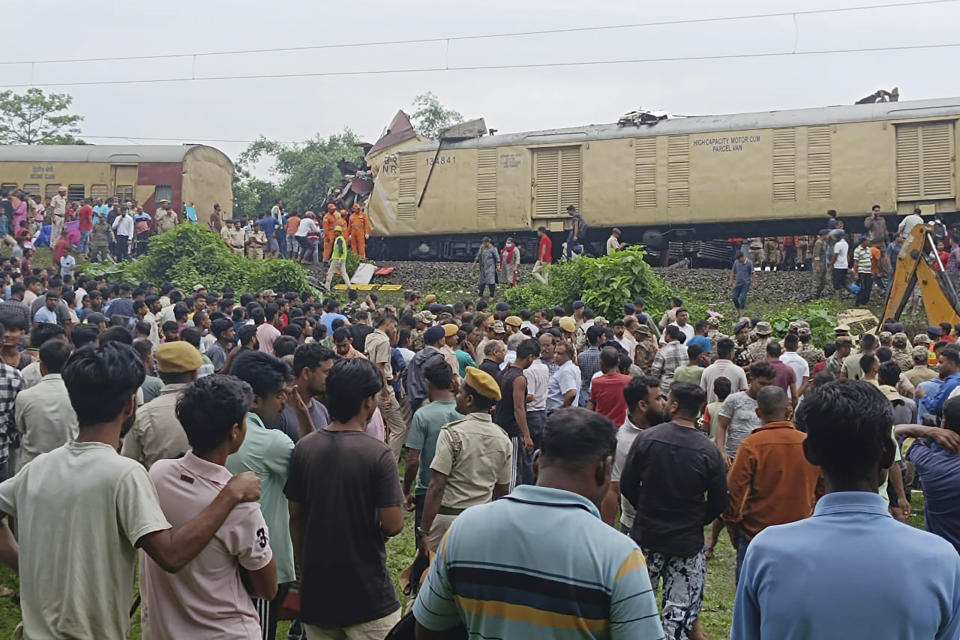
column 860, row 321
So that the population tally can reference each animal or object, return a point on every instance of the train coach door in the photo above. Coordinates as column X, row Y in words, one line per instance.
column 123, row 180
column 557, row 177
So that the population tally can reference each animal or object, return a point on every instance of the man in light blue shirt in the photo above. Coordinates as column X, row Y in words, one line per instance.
column 100, row 209
column 849, row 571
column 47, row 314
column 540, row 563
column 950, row 374
column 331, row 312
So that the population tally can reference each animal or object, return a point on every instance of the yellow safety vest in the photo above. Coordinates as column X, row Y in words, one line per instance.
column 339, row 248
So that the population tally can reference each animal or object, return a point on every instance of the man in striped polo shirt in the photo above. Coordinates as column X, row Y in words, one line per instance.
column 564, row 574
column 863, row 263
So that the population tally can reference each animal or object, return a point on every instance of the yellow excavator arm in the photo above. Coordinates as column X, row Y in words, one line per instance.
column 919, row 265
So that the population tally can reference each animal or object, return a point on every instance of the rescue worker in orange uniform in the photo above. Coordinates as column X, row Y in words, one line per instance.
column 359, row 231
column 328, row 223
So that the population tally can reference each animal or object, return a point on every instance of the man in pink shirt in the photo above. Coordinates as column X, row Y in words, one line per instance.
column 267, row 331
column 207, row 598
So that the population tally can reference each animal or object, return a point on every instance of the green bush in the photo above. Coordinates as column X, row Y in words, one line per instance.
column 279, row 275
column 189, row 255
column 605, row 284
column 821, row 318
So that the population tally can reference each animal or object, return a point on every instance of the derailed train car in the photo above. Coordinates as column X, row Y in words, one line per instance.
column 699, row 178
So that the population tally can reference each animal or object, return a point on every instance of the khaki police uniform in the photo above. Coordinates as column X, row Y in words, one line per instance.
column 475, row 455
column 236, row 239
column 166, row 219
column 450, row 357
column 255, row 242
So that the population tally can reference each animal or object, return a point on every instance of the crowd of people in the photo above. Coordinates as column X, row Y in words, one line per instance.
column 844, row 261
column 98, row 229
column 560, row 468
column 308, row 238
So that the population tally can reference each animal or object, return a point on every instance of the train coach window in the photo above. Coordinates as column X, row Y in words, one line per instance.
column 99, row 191
column 8, row 186
column 31, row 189
column 163, row 192
column 76, row 192
column 51, row 190
column 124, row 192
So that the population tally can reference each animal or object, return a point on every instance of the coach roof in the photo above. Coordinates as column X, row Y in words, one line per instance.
column 935, row 108
column 114, row 154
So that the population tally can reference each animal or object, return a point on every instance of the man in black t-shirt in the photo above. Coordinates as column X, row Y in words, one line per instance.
column 511, row 412
column 676, row 480
column 345, row 500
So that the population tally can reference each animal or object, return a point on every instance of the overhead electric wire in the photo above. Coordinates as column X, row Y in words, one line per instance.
column 532, row 65
column 182, row 138
column 485, row 36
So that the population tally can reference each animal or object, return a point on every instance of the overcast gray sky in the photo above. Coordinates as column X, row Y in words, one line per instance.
column 509, row 99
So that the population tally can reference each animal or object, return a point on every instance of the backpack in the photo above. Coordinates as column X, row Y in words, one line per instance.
column 582, row 235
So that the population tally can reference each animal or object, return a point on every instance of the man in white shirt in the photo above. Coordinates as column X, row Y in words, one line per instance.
column 565, row 383
column 645, row 408
column 627, row 341
column 789, row 357
column 613, row 242
column 43, row 413
column 538, row 379
column 308, row 245
column 682, row 322
column 840, row 263
column 123, row 229
column 909, row 222
column 527, row 324
column 153, row 308
column 723, row 368
column 77, row 580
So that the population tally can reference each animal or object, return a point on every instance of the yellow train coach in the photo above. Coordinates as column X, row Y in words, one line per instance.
column 182, row 174
column 703, row 177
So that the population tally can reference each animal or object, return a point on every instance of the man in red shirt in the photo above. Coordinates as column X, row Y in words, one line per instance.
column 62, row 244
column 606, row 391
column 85, row 216
column 544, row 256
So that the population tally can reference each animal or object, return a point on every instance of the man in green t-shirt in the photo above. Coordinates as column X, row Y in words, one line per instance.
column 424, row 429
column 692, row 371
column 338, row 258
column 267, row 452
